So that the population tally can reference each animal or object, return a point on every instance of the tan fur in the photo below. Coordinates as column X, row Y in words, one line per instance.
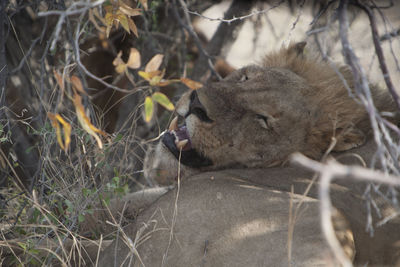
column 339, row 112
column 305, row 102
column 240, row 217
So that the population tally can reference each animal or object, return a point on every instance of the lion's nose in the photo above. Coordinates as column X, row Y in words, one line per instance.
column 196, row 108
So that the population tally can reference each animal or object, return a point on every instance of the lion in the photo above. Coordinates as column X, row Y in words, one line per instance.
column 259, row 115
column 230, row 144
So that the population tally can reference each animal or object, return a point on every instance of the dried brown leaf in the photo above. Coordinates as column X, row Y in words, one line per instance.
column 77, row 84
column 127, row 10
column 134, row 59
column 144, row 3
column 191, row 84
column 154, row 63
column 133, row 27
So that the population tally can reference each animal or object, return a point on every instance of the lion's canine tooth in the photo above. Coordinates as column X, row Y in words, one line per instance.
column 173, row 126
column 181, row 144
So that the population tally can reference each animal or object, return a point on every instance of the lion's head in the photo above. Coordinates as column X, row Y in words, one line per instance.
column 258, row 115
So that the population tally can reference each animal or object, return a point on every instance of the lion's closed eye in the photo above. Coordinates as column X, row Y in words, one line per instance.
column 243, row 78
column 263, row 121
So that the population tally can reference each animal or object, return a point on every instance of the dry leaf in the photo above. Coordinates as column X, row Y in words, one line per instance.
column 127, row 10
column 55, row 120
column 77, row 84
column 119, row 64
column 67, row 131
column 134, row 59
column 154, row 63
column 191, row 84
column 144, row 3
column 85, row 121
column 149, row 75
column 56, row 126
column 133, row 27
column 123, row 19
column 59, row 80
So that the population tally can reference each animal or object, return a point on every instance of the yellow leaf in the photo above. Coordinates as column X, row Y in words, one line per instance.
column 109, row 18
column 77, row 84
column 163, row 100
column 56, row 126
column 127, row 10
column 148, row 109
column 148, row 75
column 154, row 63
column 144, row 3
column 155, row 80
column 123, row 19
column 66, row 130
column 55, row 120
column 144, row 75
column 132, row 26
column 191, row 84
column 85, row 121
column 134, row 59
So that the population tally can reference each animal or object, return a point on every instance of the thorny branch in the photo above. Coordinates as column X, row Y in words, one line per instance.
column 229, row 21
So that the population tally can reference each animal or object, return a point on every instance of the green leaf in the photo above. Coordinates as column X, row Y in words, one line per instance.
column 163, row 100
column 22, row 245
column 70, row 206
column 81, row 218
column 148, row 108
column 118, row 137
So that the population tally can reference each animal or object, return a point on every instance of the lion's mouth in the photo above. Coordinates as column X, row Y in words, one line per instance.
column 177, row 140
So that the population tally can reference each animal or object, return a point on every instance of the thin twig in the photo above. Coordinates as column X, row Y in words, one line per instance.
column 188, row 26
column 85, row 70
column 229, row 21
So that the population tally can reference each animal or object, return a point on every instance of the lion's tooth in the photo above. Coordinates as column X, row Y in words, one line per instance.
column 173, row 126
column 181, row 144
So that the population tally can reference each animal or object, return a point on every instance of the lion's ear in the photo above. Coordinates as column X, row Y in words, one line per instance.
column 297, row 48
column 349, row 138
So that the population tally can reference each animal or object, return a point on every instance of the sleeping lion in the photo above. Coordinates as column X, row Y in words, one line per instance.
column 259, row 115
column 236, row 205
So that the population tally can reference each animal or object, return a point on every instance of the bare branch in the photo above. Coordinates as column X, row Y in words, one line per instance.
column 223, row 35
column 379, row 53
column 341, row 171
column 87, row 72
column 188, row 26
column 70, row 11
column 229, row 21
column 390, row 35
column 328, row 172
